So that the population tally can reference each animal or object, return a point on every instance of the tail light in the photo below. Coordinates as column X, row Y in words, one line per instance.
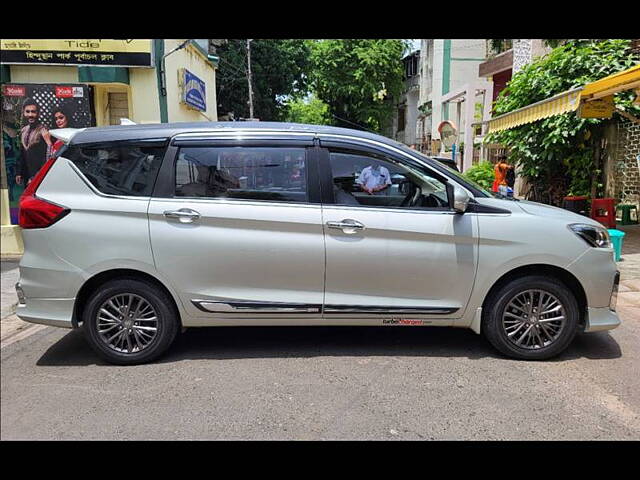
column 36, row 212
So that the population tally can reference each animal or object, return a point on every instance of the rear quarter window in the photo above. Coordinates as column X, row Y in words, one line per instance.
column 129, row 169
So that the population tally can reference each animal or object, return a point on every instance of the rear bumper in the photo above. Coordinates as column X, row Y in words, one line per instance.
column 57, row 312
column 599, row 319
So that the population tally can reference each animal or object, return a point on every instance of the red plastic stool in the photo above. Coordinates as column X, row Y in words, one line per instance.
column 604, row 211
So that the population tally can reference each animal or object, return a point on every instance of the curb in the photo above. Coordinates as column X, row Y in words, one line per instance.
column 10, row 258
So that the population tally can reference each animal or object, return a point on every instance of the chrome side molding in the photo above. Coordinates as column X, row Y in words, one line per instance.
column 212, row 306
column 388, row 310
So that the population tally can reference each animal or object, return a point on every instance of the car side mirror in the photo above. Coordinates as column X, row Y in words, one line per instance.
column 460, row 199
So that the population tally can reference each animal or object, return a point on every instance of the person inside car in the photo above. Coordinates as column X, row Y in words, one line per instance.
column 374, row 179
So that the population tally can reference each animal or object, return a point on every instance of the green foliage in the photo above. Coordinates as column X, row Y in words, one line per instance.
column 482, row 174
column 312, row 111
column 554, row 42
column 500, row 45
column 278, row 68
column 556, row 154
column 358, row 78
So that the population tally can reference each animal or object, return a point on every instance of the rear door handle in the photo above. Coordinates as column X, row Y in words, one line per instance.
column 347, row 225
column 185, row 215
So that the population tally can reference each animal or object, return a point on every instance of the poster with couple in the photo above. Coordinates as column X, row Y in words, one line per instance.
column 29, row 111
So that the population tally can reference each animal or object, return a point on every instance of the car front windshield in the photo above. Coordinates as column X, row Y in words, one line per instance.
column 458, row 176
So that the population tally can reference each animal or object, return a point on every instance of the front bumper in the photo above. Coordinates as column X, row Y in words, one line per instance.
column 596, row 271
column 599, row 319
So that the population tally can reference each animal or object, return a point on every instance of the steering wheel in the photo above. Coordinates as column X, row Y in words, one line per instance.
column 432, row 199
column 411, row 199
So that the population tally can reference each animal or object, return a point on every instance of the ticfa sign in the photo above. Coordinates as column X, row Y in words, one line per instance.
column 193, row 91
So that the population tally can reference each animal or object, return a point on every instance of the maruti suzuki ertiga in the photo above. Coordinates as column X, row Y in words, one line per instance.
column 135, row 232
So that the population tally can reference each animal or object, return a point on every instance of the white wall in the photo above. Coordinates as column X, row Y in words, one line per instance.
column 426, row 70
column 412, row 117
column 145, row 106
column 436, row 86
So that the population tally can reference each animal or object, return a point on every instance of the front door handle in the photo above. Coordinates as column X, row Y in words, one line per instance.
column 185, row 215
column 347, row 225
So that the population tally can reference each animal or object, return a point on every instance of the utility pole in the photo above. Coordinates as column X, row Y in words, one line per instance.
column 249, row 78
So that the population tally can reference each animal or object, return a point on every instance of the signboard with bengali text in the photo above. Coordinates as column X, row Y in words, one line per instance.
column 600, row 108
column 114, row 53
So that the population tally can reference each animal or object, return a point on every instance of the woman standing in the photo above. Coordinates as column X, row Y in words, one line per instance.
column 500, row 173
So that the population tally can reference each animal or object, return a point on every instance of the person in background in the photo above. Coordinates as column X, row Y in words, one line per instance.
column 374, row 179
column 61, row 119
column 511, row 180
column 500, row 173
column 35, row 143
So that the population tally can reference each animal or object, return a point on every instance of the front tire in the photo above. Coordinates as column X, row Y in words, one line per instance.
column 129, row 321
column 531, row 318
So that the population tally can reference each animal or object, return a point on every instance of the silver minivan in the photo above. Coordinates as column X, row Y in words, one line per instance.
column 136, row 232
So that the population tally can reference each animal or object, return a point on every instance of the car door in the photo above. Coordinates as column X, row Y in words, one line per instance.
column 236, row 227
column 401, row 250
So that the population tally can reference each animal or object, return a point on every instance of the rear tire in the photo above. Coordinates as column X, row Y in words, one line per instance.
column 531, row 318
column 129, row 321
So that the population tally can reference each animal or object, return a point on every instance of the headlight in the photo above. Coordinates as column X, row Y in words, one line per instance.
column 597, row 237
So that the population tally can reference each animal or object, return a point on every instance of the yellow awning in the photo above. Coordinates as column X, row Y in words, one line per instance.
column 627, row 80
column 563, row 102
column 568, row 101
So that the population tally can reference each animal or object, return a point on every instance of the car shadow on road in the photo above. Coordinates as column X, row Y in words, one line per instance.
column 220, row 343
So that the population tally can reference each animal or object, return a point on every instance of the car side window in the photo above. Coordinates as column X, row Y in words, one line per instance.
column 364, row 179
column 119, row 169
column 248, row 173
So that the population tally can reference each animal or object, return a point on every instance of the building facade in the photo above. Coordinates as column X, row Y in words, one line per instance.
column 447, row 67
column 405, row 121
column 440, row 67
column 501, row 66
column 99, row 82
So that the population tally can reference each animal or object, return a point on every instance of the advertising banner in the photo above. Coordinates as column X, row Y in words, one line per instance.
column 28, row 112
column 113, row 53
column 193, row 93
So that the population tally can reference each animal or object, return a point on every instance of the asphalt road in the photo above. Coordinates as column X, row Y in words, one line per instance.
column 315, row 383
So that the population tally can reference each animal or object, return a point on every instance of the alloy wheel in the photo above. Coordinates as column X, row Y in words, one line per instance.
column 127, row 323
column 533, row 319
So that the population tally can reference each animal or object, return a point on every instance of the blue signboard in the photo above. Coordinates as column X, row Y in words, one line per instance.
column 194, row 91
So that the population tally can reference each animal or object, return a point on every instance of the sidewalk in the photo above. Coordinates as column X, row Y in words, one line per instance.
column 11, row 327
column 629, row 266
